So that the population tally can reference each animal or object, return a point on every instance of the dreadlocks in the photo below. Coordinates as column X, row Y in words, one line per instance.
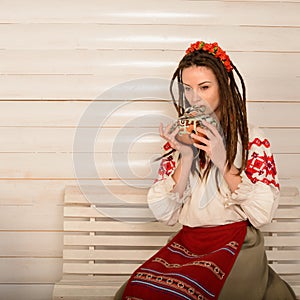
column 233, row 116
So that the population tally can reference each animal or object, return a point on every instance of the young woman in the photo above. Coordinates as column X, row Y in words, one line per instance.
column 221, row 186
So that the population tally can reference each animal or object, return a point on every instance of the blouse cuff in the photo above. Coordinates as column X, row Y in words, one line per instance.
column 165, row 187
column 242, row 193
column 164, row 203
column 245, row 188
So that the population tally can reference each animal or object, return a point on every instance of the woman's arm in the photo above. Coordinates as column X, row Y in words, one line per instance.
column 181, row 174
column 232, row 178
column 171, row 190
column 256, row 189
column 258, row 193
column 167, row 195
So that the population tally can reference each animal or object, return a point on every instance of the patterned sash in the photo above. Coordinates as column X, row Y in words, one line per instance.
column 193, row 265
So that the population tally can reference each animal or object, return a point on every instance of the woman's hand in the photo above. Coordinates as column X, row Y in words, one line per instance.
column 184, row 149
column 182, row 171
column 210, row 141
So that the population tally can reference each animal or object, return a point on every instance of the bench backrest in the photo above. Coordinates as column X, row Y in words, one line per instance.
column 110, row 231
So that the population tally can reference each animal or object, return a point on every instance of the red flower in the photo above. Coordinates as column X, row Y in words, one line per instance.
column 224, row 56
column 198, row 44
column 219, row 53
column 228, row 65
column 208, row 48
column 213, row 49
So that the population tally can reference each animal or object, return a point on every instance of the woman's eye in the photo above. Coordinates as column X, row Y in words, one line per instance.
column 205, row 87
column 187, row 89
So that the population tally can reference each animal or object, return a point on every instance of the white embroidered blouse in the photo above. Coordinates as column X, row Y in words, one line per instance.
column 255, row 199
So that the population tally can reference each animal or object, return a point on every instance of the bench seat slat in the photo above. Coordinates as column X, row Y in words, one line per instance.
column 282, row 227
column 91, row 212
column 286, row 268
column 291, row 191
column 113, row 240
column 85, row 279
column 128, row 240
column 73, row 194
column 296, row 289
column 85, row 268
column 158, row 240
column 80, row 292
column 105, row 194
column 287, row 213
column 144, row 212
column 135, row 254
column 115, row 226
column 289, row 201
column 284, row 255
column 121, row 254
column 91, row 293
column 282, row 241
column 127, row 199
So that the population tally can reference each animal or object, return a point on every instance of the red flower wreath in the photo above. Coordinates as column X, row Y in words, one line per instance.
column 213, row 49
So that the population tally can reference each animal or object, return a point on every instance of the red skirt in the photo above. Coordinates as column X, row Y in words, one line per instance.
column 193, row 265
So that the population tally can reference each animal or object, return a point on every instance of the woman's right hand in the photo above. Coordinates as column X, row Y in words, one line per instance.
column 184, row 149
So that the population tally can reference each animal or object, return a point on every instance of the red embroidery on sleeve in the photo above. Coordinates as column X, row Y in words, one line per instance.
column 167, row 165
column 261, row 167
column 259, row 142
column 167, row 146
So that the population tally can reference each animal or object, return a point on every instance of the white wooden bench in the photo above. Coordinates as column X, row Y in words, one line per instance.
column 101, row 252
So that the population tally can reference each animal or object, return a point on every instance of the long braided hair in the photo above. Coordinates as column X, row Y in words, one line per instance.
column 233, row 115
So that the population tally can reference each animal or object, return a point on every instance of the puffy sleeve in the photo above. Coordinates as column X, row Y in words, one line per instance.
column 165, row 204
column 258, row 193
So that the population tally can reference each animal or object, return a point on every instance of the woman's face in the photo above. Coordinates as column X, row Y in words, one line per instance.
column 201, row 87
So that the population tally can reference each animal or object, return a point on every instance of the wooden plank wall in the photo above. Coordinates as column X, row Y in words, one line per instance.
column 57, row 59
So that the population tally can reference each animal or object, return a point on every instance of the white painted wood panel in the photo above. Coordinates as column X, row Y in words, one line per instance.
column 146, row 37
column 37, row 244
column 54, row 53
column 135, row 166
column 283, row 140
column 277, row 115
column 36, row 72
column 27, row 218
column 25, row 192
column 92, row 87
column 52, row 140
column 158, row 12
column 30, row 192
column 121, row 113
column 26, row 291
column 145, row 63
column 98, row 62
column 30, row 270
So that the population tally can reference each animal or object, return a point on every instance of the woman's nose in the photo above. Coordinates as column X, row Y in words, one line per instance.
column 196, row 97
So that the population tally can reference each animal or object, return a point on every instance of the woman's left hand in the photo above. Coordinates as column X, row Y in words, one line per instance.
column 210, row 141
